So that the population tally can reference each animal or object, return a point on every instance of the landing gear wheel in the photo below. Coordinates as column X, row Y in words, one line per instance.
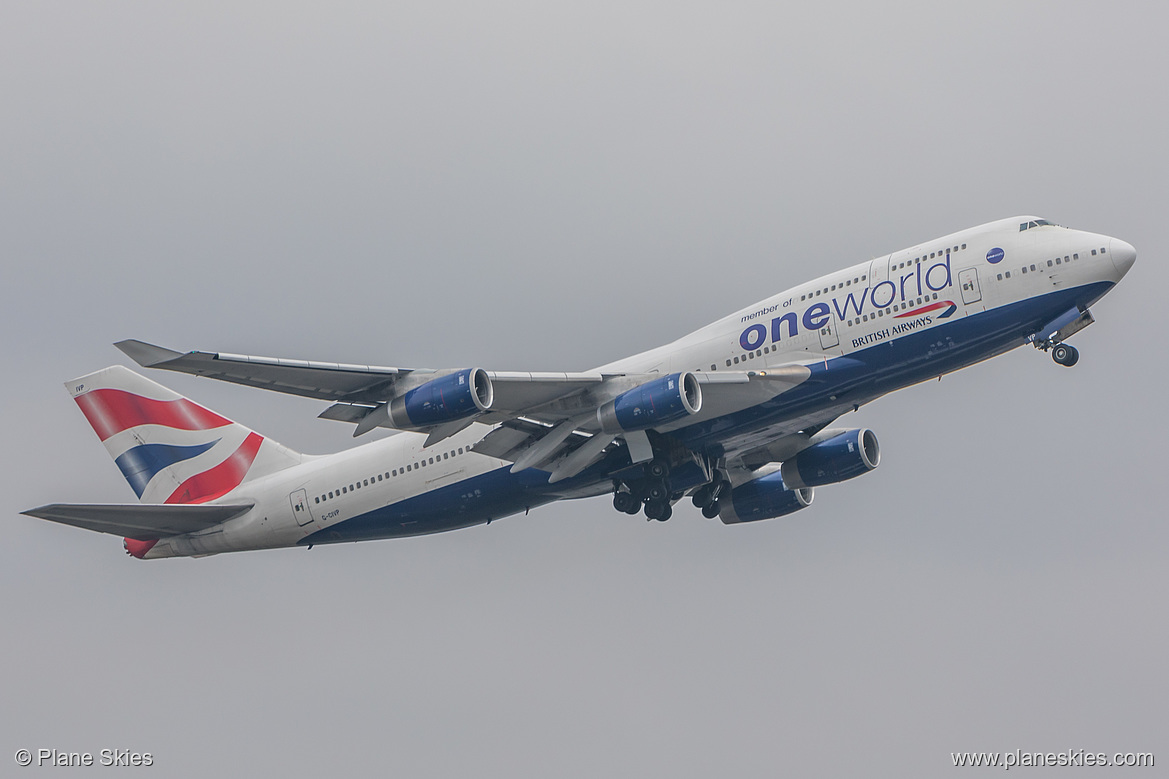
column 624, row 501
column 657, row 509
column 657, row 469
column 1065, row 355
column 657, row 491
column 702, row 496
column 710, row 511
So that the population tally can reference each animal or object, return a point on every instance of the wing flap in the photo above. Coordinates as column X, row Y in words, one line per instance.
column 141, row 522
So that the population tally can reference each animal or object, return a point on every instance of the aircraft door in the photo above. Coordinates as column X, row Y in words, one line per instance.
column 968, row 281
column 300, row 510
column 879, row 270
column 828, row 335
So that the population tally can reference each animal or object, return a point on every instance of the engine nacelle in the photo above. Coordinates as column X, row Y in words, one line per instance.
column 445, row 399
column 837, row 458
column 653, row 403
column 764, row 498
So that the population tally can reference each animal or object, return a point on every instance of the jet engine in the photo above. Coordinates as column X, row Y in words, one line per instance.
column 445, row 399
column 837, row 458
column 653, row 403
column 764, row 498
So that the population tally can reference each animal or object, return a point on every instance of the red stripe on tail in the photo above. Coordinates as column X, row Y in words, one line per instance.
column 221, row 479
column 110, row 411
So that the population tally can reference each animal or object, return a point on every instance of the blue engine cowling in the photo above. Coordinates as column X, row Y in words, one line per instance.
column 445, row 399
column 653, row 403
column 764, row 498
column 837, row 458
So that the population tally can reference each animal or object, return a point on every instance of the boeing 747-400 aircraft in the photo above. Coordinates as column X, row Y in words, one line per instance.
column 736, row 415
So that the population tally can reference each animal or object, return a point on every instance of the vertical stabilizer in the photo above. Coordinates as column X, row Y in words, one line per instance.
column 169, row 448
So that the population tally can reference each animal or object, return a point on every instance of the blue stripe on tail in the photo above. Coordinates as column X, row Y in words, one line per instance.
column 140, row 464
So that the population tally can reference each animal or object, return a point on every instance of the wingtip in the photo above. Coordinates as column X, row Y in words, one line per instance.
column 146, row 355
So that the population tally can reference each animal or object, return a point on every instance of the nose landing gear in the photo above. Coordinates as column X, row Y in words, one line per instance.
column 1065, row 355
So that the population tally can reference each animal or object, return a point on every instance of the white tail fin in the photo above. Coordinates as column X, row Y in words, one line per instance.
column 169, row 448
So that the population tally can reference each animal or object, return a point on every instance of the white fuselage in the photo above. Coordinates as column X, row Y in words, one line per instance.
column 941, row 282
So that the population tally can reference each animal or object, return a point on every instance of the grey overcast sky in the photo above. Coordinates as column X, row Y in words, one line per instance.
column 552, row 186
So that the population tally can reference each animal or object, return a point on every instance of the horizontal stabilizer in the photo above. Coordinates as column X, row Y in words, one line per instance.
column 142, row 522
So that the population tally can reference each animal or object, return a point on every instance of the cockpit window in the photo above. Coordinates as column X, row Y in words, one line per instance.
column 1036, row 223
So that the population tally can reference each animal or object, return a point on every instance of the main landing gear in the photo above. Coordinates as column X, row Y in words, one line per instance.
column 706, row 497
column 651, row 493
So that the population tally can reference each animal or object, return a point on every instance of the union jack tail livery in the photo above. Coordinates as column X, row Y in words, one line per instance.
column 169, row 448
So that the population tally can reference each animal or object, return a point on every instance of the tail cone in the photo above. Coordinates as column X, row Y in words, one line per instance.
column 136, row 548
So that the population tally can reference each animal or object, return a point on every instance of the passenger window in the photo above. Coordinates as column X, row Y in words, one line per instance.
column 1000, row 277
column 963, row 246
column 1093, row 252
column 1075, row 256
column 316, row 500
column 1032, row 267
column 1049, row 263
column 1024, row 268
column 460, row 450
column 736, row 360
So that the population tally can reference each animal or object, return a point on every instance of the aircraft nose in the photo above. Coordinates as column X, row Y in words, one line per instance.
column 1123, row 255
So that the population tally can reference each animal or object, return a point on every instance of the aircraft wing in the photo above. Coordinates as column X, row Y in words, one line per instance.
column 136, row 520
column 320, row 380
column 547, row 417
column 515, row 391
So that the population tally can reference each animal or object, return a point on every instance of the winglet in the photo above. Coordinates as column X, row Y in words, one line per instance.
column 146, row 355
